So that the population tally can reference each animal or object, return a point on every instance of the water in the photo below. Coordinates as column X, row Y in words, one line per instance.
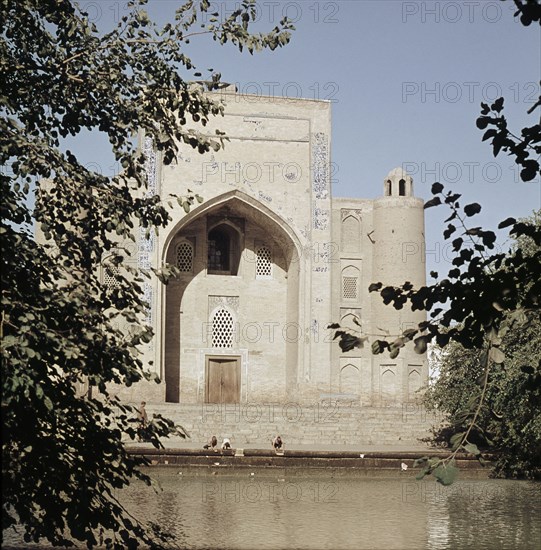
column 335, row 509
column 347, row 510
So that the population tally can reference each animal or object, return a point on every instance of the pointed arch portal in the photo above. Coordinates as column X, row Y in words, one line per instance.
column 228, row 234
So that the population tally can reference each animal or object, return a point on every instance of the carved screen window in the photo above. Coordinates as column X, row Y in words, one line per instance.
column 184, row 257
column 263, row 268
column 349, row 288
column 222, row 329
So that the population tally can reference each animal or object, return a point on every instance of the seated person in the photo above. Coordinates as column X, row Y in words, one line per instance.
column 226, row 444
column 211, row 443
column 278, row 444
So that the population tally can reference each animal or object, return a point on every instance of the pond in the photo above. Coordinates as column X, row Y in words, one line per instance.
column 334, row 509
column 338, row 509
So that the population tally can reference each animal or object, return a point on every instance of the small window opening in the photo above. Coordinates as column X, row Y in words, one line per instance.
column 219, row 249
column 223, row 250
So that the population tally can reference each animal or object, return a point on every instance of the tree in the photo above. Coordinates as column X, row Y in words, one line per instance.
column 63, row 454
column 484, row 297
column 509, row 423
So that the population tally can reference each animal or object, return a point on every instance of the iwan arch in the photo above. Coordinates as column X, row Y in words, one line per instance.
column 269, row 259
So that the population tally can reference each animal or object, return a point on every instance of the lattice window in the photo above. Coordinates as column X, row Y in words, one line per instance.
column 349, row 287
column 110, row 276
column 184, row 257
column 222, row 329
column 263, row 262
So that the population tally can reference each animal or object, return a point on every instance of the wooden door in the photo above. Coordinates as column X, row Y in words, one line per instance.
column 223, row 380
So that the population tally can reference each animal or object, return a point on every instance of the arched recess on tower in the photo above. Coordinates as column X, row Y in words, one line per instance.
column 245, row 261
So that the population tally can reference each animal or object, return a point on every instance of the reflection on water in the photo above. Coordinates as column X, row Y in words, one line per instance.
column 335, row 509
column 296, row 509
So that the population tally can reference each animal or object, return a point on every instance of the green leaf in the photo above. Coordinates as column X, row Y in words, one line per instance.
column 421, row 344
column 457, row 243
column 482, row 122
column 445, row 474
column 410, row 333
column 472, row 209
column 496, row 355
column 432, row 202
column 422, row 474
column 378, row 346
column 449, row 231
column 456, row 440
column 472, row 448
column 436, row 188
column 506, row 223
column 497, row 105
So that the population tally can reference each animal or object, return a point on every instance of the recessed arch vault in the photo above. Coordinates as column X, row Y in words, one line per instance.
column 186, row 298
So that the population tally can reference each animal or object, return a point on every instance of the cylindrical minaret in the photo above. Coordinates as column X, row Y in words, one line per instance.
column 399, row 249
column 398, row 257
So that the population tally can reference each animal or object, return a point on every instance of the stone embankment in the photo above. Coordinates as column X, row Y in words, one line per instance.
column 324, row 435
column 322, row 423
column 380, row 462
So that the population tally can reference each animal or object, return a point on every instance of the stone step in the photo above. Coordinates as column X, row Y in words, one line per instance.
column 347, row 424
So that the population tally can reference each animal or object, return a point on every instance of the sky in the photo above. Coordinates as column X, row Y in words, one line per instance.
column 406, row 79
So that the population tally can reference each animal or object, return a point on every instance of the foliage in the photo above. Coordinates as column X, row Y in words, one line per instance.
column 503, row 139
column 489, row 326
column 483, row 303
column 483, row 294
column 528, row 10
column 509, row 422
column 63, row 455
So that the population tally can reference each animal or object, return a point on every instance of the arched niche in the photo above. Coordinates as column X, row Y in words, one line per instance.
column 388, row 385
column 350, row 379
column 414, row 384
column 351, row 233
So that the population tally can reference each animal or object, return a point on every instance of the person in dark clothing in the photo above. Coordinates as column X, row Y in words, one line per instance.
column 278, row 444
column 143, row 422
column 211, row 444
